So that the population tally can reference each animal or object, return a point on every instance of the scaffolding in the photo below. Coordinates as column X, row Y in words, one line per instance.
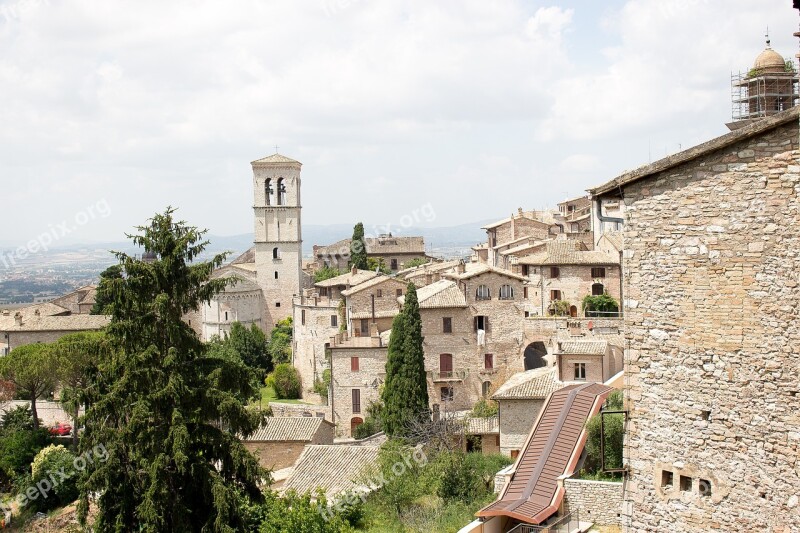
column 761, row 94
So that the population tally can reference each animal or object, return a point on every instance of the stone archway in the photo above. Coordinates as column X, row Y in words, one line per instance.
column 535, row 355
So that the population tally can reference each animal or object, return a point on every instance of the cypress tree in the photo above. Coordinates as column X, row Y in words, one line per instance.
column 405, row 393
column 166, row 413
column 358, row 248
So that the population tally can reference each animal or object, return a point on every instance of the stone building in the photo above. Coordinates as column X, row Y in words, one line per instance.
column 574, row 218
column 279, row 442
column 373, row 304
column 711, row 291
column 395, row 251
column 358, row 368
column 483, row 435
column 593, row 361
column 521, row 225
column 567, row 271
column 18, row 328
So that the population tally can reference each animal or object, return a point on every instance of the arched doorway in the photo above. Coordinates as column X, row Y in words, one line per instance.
column 534, row 355
column 573, row 311
column 354, row 423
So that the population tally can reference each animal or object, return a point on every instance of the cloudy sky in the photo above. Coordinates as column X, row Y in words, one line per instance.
column 472, row 108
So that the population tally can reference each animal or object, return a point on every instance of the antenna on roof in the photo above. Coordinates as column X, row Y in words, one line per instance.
column 276, row 148
column 767, row 36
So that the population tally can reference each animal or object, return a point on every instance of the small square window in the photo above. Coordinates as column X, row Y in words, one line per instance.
column 446, row 394
column 277, row 304
column 666, row 479
column 685, row 483
column 399, row 292
column 555, row 272
column 555, row 295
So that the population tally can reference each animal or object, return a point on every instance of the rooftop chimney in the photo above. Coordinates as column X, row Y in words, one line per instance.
column 354, row 270
column 37, row 313
column 461, row 268
column 18, row 318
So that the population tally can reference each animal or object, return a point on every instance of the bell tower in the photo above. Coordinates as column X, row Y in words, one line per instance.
column 278, row 237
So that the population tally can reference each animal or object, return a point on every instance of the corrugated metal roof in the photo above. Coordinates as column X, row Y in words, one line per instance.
column 534, row 384
column 287, row 428
column 551, row 451
column 334, row 468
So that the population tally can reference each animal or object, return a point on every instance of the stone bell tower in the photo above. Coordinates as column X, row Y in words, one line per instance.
column 278, row 239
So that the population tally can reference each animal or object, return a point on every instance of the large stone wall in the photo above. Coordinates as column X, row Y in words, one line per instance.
column 276, row 455
column 516, row 420
column 711, row 262
column 595, row 501
column 311, row 330
column 574, row 281
column 371, row 371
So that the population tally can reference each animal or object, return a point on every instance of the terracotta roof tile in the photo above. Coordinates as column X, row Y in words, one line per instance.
column 569, row 253
column 439, row 295
column 276, row 158
column 533, row 384
column 348, row 278
column 287, row 428
column 334, row 468
column 582, row 347
column 483, row 426
column 55, row 323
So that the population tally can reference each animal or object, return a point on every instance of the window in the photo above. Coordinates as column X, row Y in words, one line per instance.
column 488, row 361
column 399, row 292
column 302, row 317
column 555, row 272
column 685, row 483
column 277, row 304
column 446, row 394
column 514, row 454
column 447, row 325
column 598, row 289
column 598, row 272
column 354, row 364
column 323, row 291
column 445, row 365
column 268, row 192
column 281, row 192
column 276, row 254
column 555, row 295
column 364, row 327
column 580, row 371
column 481, row 322
column 334, row 321
column 524, row 292
column 482, row 293
column 226, row 316
column 485, row 387
column 380, row 293
column 393, row 264
column 524, row 270
column 666, row 479
column 506, row 292
column 276, row 274
column 356, row 400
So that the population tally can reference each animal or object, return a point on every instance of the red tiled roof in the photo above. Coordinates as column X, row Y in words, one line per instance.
column 552, row 450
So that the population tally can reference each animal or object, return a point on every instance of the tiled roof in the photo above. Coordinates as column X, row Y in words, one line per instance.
column 751, row 130
column 428, row 268
column 522, row 247
column 378, row 314
column 614, row 238
column 438, row 295
column 476, row 269
column 247, row 257
column 584, row 347
column 376, row 246
column 287, row 428
column 334, row 468
column 276, row 158
column 55, row 323
column 569, row 253
column 530, row 215
column 348, row 278
column 483, row 426
column 45, row 309
column 377, row 280
column 533, row 384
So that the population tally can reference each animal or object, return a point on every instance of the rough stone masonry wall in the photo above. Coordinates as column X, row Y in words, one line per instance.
column 516, row 421
column 712, row 262
column 594, row 501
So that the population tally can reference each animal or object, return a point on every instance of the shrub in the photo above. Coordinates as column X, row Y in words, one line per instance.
column 601, row 304
column 559, row 308
column 419, row 261
column 17, row 450
column 485, row 408
column 326, row 272
column 280, row 342
column 55, row 458
column 613, row 439
column 299, row 514
column 19, row 417
column 322, row 386
column 459, row 481
column 286, row 381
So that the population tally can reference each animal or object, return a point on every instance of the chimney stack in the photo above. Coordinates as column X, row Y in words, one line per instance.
column 354, row 270
column 18, row 318
column 461, row 268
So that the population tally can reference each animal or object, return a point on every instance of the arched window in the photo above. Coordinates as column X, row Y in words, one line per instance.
column 281, row 192
column 268, row 191
column 485, row 387
column 482, row 293
column 276, row 254
column 506, row 292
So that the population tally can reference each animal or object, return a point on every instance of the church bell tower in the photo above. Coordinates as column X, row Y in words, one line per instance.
column 278, row 238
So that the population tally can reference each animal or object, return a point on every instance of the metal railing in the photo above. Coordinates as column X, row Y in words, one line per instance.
column 448, row 375
column 564, row 524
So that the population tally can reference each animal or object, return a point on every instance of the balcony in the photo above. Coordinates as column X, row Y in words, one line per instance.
column 447, row 375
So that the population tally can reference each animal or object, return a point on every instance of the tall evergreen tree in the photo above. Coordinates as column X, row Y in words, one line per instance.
column 405, row 393
column 102, row 298
column 358, row 248
column 167, row 413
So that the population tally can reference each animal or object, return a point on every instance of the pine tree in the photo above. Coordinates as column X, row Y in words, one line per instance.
column 358, row 248
column 167, row 413
column 405, row 393
column 102, row 300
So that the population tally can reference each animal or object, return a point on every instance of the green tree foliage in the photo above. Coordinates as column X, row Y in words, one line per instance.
column 459, row 480
column 19, row 444
column 218, row 349
column 251, row 345
column 326, row 272
column 300, row 513
column 358, row 248
column 484, row 408
column 285, row 380
column 49, row 461
column 599, row 305
column 612, row 441
column 419, row 261
column 379, row 264
column 78, row 356
column 102, row 298
column 17, row 418
column 559, row 308
column 280, row 342
column 372, row 422
column 405, row 393
column 31, row 368
column 322, row 386
column 167, row 413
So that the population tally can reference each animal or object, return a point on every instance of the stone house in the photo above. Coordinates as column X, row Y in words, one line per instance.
column 373, row 304
column 519, row 401
column 711, row 238
column 332, row 288
column 24, row 327
column 427, row 273
column 395, row 251
column 568, row 271
column 593, row 361
column 574, row 217
column 520, row 225
column 358, row 368
column 280, row 440
column 483, row 435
